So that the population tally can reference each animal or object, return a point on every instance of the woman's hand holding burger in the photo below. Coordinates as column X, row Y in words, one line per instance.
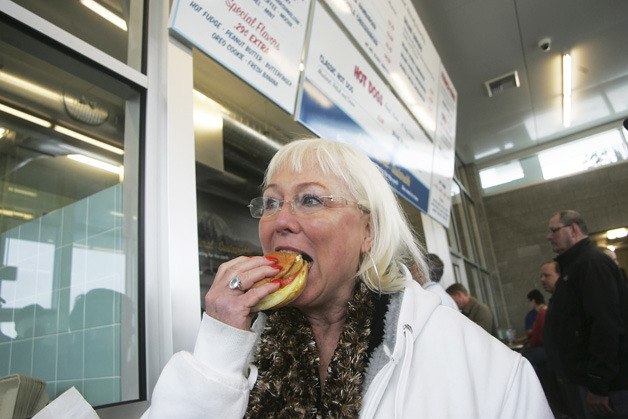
column 245, row 285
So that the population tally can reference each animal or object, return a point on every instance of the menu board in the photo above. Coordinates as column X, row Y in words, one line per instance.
column 444, row 151
column 393, row 36
column 344, row 99
column 261, row 41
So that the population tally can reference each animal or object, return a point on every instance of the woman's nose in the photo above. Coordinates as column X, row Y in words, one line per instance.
column 286, row 218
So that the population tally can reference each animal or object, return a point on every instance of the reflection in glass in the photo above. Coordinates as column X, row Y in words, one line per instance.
column 68, row 229
column 113, row 26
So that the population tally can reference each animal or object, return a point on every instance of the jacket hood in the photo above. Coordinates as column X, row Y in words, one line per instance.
column 407, row 315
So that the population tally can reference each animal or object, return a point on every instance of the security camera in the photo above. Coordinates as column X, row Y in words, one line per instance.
column 545, row 44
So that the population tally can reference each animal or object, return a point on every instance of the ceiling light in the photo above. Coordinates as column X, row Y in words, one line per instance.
column 566, row 90
column 618, row 233
column 26, row 116
column 88, row 140
column 16, row 214
column 486, row 153
column 96, row 163
column 105, row 13
column 28, row 86
column 22, row 191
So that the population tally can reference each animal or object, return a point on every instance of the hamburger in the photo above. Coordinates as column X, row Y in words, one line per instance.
column 292, row 279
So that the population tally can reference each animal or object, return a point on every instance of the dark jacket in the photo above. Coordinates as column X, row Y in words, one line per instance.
column 585, row 329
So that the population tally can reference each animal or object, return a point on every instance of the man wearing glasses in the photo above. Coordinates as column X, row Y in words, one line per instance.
column 587, row 322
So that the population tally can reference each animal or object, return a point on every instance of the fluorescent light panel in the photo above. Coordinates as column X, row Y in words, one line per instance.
column 566, row 90
column 59, row 128
column 26, row 116
column 105, row 13
column 32, row 88
column 21, row 191
column 16, row 214
column 96, row 163
column 88, row 140
column 618, row 233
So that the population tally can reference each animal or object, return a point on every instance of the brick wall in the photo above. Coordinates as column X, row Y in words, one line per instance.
column 517, row 223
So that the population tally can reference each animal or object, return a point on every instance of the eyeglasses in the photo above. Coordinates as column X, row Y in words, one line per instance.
column 264, row 207
column 553, row 230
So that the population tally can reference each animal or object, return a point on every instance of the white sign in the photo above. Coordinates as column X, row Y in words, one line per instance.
column 394, row 37
column 344, row 99
column 444, row 151
column 261, row 41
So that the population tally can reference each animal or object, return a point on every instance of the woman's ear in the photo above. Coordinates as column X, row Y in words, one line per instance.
column 367, row 243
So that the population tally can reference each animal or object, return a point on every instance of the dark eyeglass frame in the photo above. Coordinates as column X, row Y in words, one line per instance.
column 554, row 230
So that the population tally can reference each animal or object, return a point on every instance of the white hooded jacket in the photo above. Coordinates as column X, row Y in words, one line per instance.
column 433, row 363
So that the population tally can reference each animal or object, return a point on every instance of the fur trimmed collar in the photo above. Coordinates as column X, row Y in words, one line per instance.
column 287, row 360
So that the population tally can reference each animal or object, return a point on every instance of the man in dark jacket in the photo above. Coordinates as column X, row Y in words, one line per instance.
column 585, row 329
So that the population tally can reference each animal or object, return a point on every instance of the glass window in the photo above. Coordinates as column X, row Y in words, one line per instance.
column 481, row 287
column 113, row 26
column 452, row 231
column 597, row 150
column 69, row 176
column 457, row 273
column 464, row 226
column 503, row 173
column 577, row 156
column 492, row 292
column 475, row 232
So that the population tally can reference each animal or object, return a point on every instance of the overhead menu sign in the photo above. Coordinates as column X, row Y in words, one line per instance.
column 439, row 207
column 394, row 37
column 344, row 99
column 260, row 41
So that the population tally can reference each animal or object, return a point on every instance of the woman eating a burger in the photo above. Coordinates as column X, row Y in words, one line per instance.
column 329, row 323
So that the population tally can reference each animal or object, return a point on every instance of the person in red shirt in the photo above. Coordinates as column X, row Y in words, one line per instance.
column 535, row 335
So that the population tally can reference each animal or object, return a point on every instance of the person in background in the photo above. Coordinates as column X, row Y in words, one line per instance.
column 550, row 272
column 533, row 350
column 558, row 393
column 535, row 337
column 363, row 339
column 586, row 338
column 528, row 321
column 471, row 307
column 536, row 300
column 436, row 267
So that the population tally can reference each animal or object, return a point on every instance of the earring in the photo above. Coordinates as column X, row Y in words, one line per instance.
column 379, row 279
